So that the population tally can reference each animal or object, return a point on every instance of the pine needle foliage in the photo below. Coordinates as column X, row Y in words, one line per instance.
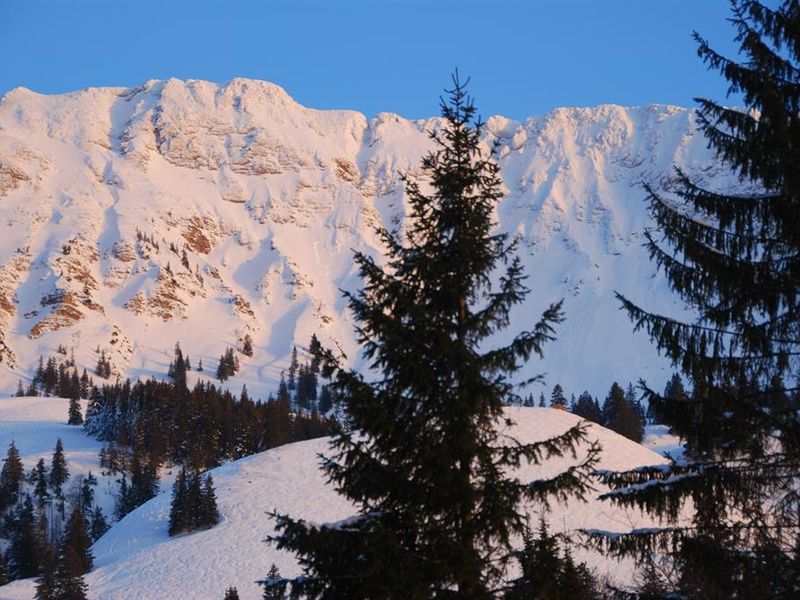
column 734, row 258
column 426, row 456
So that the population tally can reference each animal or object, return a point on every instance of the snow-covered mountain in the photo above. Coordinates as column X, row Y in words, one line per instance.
column 191, row 212
column 137, row 560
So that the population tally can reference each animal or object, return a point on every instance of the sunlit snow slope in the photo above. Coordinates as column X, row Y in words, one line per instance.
column 34, row 425
column 132, row 218
column 137, row 560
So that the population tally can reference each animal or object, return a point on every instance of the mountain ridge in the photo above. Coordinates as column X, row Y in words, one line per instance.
column 104, row 191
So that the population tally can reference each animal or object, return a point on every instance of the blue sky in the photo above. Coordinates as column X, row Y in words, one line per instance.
column 524, row 57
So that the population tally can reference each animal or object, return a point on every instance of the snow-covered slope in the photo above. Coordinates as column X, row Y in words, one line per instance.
column 102, row 191
column 34, row 425
column 136, row 560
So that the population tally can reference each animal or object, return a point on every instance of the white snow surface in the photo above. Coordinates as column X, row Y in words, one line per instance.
column 269, row 199
column 34, row 425
column 137, row 560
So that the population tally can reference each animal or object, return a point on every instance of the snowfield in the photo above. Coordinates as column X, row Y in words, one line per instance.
column 137, row 560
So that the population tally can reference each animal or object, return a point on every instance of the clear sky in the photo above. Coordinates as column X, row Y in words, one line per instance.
column 524, row 57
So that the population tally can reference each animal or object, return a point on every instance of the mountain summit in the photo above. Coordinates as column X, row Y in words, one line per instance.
column 199, row 213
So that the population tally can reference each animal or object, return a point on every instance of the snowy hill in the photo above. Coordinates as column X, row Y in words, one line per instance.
column 136, row 560
column 132, row 218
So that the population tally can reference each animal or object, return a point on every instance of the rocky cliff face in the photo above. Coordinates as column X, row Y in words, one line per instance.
column 133, row 218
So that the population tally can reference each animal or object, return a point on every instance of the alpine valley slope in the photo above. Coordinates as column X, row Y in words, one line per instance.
column 192, row 212
column 137, row 560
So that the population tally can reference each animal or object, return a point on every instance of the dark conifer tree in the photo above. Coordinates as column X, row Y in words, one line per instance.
column 278, row 421
column 247, row 345
column 283, row 389
column 293, row 367
column 39, row 377
column 427, row 468
column 178, row 368
column 78, row 540
column 179, row 520
column 586, row 407
column 549, row 574
column 98, row 525
column 194, row 503
column 11, row 476
column 577, row 582
column 85, row 384
column 209, row 513
column 540, row 566
column 39, row 479
column 231, row 594
column 733, row 257
column 23, row 556
column 46, row 588
column 144, row 481
column 650, row 583
column 274, row 585
column 612, row 405
column 325, row 403
column 20, row 390
column 674, row 392
column 86, row 497
column 75, row 417
column 300, row 398
column 557, row 397
column 59, row 473
column 636, row 404
column 122, row 503
column 308, row 384
column 100, row 368
column 621, row 415
column 69, row 581
column 315, row 349
column 228, row 365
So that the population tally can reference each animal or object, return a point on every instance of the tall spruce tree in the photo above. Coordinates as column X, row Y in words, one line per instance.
column 46, row 582
column 11, row 477
column 39, row 479
column 734, row 257
column 74, row 414
column 77, row 539
column 59, row 473
column 23, row 556
column 208, row 511
column 179, row 519
column 422, row 456
column 69, row 582
column 98, row 525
